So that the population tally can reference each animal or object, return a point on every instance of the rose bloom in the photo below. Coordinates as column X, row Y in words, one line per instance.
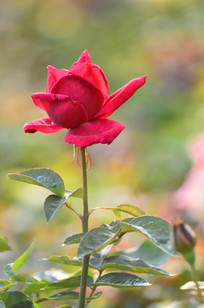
column 77, row 99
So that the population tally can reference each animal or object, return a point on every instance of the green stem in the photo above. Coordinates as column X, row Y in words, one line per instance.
column 40, row 300
column 73, row 210
column 195, row 278
column 94, row 288
column 85, row 264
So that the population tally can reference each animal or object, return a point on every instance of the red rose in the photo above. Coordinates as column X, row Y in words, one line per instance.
column 77, row 99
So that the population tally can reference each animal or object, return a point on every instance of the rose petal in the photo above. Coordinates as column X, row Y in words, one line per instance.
column 67, row 113
column 119, row 97
column 79, row 89
column 61, row 109
column 96, row 131
column 42, row 100
column 93, row 74
column 54, row 75
column 85, row 57
column 44, row 125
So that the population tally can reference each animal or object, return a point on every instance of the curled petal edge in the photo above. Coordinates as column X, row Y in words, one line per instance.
column 119, row 97
column 92, row 132
column 44, row 125
column 42, row 100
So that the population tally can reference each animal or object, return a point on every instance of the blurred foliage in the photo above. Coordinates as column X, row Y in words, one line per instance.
column 148, row 161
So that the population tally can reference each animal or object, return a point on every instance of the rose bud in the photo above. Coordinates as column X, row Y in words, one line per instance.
column 184, row 239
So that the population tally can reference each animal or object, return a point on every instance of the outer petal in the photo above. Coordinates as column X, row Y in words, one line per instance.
column 119, row 97
column 45, row 125
column 62, row 110
column 96, row 131
column 42, row 100
column 79, row 89
column 85, row 57
column 68, row 113
column 54, row 75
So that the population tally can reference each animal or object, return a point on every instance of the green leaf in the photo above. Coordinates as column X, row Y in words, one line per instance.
column 155, row 228
column 43, row 177
column 101, row 254
column 4, row 245
column 98, row 256
column 129, row 209
column 53, row 203
column 35, row 305
column 121, row 280
column 95, row 240
column 95, row 296
column 23, row 258
column 71, row 282
column 78, row 193
column 148, row 252
column 64, row 295
column 64, row 260
column 12, row 268
column 70, row 261
column 34, row 287
column 5, row 285
column 115, row 225
column 16, row 300
column 71, row 295
column 74, row 239
column 126, row 208
column 130, row 264
column 23, row 277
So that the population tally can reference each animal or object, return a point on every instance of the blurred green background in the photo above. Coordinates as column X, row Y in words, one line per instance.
column 162, row 39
